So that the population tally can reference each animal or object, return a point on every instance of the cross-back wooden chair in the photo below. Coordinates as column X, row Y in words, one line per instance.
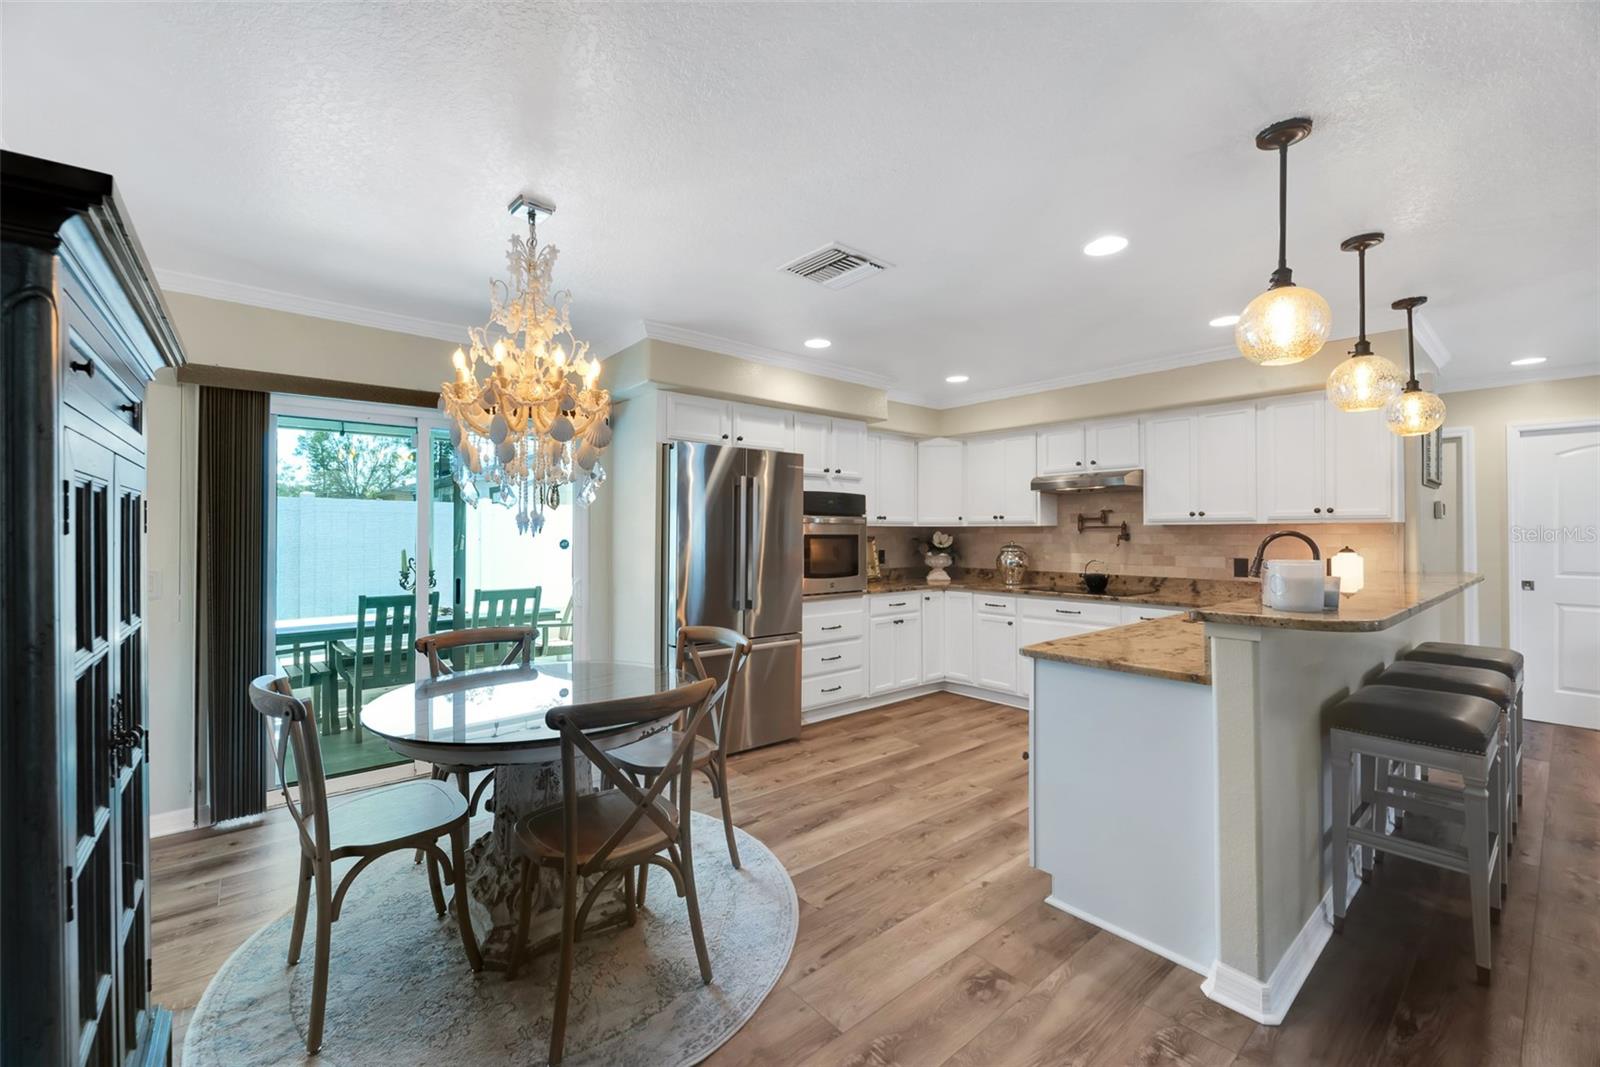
column 381, row 656
column 647, row 757
column 371, row 824
column 611, row 833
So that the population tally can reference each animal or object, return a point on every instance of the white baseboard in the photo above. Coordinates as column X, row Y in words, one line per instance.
column 1010, row 700
column 1165, row 953
column 171, row 822
column 851, row 707
column 1268, row 1002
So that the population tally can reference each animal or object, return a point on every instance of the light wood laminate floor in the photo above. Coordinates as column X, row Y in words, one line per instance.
column 924, row 938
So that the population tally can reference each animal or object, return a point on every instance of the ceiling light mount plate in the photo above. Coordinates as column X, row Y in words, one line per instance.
column 1406, row 303
column 530, row 205
column 1283, row 134
column 1360, row 242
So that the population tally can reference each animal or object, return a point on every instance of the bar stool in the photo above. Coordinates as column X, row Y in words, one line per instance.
column 1509, row 663
column 1437, row 730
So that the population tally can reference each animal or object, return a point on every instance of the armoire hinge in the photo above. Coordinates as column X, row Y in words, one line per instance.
column 71, row 893
column 66, row 507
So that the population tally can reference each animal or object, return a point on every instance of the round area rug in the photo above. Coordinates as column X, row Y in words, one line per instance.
column 400, row 991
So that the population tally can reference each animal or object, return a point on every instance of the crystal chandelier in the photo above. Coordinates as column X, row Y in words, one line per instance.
column 529, row 416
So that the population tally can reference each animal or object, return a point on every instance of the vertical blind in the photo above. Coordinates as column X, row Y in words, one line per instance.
column 231, row 613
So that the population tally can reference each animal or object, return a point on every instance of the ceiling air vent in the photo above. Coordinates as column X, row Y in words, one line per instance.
column 835, row 267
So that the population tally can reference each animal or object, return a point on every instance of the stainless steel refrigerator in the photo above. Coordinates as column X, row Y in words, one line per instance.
column 733, row 546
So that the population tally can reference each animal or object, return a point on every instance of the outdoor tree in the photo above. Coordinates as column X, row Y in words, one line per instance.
column 363, row 466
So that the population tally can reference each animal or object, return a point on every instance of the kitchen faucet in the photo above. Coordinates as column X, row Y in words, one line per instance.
column 1261, row 550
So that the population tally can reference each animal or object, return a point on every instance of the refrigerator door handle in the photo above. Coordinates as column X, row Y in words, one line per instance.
column 753, row 503
column 741, row 540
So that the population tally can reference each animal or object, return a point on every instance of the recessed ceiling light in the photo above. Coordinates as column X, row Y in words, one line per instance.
column 1108, row 245
column 818, row 342
column 1225, row 320
column 956, row 379
column 1527, row 361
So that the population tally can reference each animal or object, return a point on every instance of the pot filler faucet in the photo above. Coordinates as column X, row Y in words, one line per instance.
column 1261, row 550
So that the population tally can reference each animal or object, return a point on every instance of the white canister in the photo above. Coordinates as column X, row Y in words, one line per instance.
column 1293, row 584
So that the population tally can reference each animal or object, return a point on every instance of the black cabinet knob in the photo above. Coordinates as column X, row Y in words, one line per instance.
column 1330, row 511
column 1094, row 462
column 1077, row 463
column 724, row 437
column 1191, row 514
column 1317, row 510
column 739, row 438
column 1202, row 514
column 83, row 366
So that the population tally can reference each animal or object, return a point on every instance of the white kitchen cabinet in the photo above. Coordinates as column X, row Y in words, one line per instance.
column 835, row 451
column 958, row 657
column 1290, row 447
column 933, row 636
column 1034, row 631
column 758, row 427
column 1061, row 450
column 811, row 441
column 697, row 418
column 999, row 478
column 940, row 482
column 894, row 649
column 833, row 657
column 994, row 642
column 983, row 479
column 1200, row 466
column 1112, row 444
column 1169, row 468
column 847, row 450
column 891, row 484
column 1363, row 468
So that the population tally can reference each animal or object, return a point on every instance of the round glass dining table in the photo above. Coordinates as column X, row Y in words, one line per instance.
column 495, row 717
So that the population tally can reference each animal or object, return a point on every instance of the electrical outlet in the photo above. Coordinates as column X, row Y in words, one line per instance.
column 1241, row 567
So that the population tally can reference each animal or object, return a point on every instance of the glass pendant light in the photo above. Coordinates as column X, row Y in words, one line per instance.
column 1415, row 411
column 1364, row 382
column 1288, row 323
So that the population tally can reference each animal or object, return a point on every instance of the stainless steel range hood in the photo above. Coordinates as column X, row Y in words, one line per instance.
column 1082, row 481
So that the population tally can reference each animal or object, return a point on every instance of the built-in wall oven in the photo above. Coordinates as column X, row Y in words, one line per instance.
column 835, row 543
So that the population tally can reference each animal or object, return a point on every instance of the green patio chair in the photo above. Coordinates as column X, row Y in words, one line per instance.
column 498, row 608
column 381, row 656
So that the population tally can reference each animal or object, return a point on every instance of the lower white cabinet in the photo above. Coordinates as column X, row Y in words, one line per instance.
column 994, row 642
column 958, row 658
column 894, row 642
column 933, row 636
column 833, row 657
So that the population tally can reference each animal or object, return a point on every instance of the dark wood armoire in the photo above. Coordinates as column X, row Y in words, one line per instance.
column 85, row 330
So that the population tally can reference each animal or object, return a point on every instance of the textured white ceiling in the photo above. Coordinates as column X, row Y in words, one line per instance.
column 361, row 155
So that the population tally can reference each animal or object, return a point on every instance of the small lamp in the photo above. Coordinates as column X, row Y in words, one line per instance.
column 1351, row 570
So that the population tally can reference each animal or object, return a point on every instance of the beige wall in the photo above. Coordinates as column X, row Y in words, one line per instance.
column 1487, row 412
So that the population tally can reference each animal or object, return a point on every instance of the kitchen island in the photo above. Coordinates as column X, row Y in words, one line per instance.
column 1178, row 785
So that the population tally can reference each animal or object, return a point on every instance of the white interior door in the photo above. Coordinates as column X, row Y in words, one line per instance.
column 1554, row 497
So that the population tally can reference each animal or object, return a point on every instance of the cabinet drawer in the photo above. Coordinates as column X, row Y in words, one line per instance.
column 1144, row 613
column 833, row 657
column 1097, row 612
column 895, row 603
column 833, row 688
column 836, row 620
column 989, row 604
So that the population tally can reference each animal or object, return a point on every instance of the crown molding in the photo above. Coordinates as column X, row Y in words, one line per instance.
column 772, row 357
column 315, row 307
column 1431, row 342
column 1446, row 384
column 1090, row 377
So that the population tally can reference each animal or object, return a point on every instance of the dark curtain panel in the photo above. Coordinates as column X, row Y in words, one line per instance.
column 231, row 614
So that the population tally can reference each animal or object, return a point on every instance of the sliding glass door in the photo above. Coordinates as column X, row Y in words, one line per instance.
column 367, row 555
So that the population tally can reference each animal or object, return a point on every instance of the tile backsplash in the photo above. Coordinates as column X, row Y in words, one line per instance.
column 1164, row 551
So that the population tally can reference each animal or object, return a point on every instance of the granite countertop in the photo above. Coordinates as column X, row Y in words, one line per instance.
column 1122, row 588
column 1384, row 602
column 1174, row 647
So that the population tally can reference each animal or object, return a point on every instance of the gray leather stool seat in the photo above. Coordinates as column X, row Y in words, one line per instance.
column 1507, row 661
column 1456, row 721
column 1425, row 727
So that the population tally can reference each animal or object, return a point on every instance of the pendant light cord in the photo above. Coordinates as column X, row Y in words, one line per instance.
column 1361, row 285
column 1411, row 353
column 1283, row 209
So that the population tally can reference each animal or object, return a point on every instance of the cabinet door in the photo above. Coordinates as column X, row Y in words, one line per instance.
column 755, row 427
column 847, row 450
column 1113, row 444
column 933, row 636
column 895, row 481
column 1061, row 450
column 1169, row 469
column 908, row 650
column 1034, row 631
column 1363, row 463
column 696, row 418
column 1289, row 444
column 940, row 476
column 995, row 640
column 1019, row 504
column 811, row 441
column 881, row 658
column 985, row 475
column 958, row 623
column 1225, row 465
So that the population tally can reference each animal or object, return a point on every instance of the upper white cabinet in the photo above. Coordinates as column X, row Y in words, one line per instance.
column 835, row 451
column 1320, row 464
column 999, row 476
column 1200, row 466
column 717, row 422
column 940, row 482
column 891, row 483
column 1111, row 444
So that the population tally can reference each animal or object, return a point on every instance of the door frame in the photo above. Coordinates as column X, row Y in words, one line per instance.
column 1515, row 431
column 1469, row 522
